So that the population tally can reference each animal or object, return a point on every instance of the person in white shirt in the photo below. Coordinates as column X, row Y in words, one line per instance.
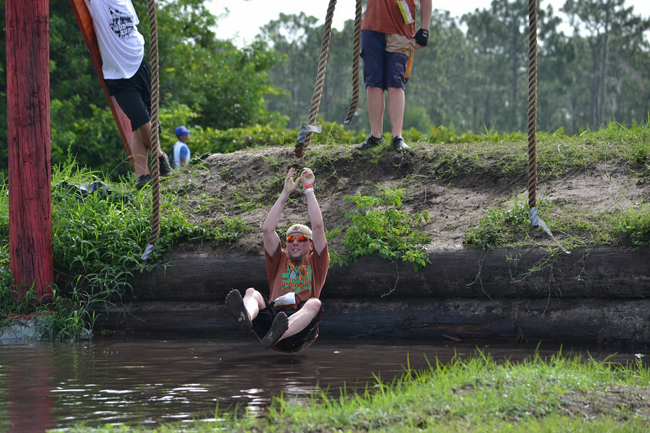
column 127, row 76
column 181, row 152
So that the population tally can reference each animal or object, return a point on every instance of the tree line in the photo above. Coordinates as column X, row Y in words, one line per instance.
column 472, row 76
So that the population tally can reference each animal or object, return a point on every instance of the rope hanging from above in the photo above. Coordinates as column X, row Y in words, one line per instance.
column 155, row 128
column 306, row 130
column 532, row 122
column 356, row 55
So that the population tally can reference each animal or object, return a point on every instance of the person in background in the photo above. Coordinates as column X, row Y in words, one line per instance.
column 181, row 153
column 388, row 40
column 296, row 275
column 127, row 76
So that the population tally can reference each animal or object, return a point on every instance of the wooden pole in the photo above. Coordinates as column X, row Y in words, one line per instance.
column 28, row 141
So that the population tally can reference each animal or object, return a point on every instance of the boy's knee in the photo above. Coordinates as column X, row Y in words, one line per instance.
column 313, row 305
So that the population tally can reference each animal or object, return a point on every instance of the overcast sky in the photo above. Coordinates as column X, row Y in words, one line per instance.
column 245, row 17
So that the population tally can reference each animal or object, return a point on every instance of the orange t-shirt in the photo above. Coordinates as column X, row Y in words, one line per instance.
column 384, row 16
column 305, row 277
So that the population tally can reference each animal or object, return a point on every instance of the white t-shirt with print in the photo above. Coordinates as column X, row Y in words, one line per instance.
column 120, row 43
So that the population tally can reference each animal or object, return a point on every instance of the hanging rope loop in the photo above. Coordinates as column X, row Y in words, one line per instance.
column 356, row 55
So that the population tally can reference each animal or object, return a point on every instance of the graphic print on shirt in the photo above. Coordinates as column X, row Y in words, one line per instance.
column 297, row 278
column 121, row 23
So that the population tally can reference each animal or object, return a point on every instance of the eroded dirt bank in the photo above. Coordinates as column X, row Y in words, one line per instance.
column 596, row 294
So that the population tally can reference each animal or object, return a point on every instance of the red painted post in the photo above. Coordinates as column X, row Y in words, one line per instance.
column 28, row 140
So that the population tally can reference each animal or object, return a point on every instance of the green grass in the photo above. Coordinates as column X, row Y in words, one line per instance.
column 561, row 393
column 509, row 225
column 98, row 242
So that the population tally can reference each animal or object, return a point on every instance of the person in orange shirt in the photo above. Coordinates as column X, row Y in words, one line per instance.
column 296, row 274
column 388, row 39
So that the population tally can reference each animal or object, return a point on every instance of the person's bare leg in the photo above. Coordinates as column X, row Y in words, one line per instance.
column 253, row 302
column 140, row 144
column 396, row 104
column 299, row 321
column 375, row 100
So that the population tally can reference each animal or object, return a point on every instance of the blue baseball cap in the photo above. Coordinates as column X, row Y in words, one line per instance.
column 181, row 130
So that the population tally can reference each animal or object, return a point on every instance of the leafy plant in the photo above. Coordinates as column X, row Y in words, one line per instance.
column 636, row 225
column 379, row 227
column 500, row 226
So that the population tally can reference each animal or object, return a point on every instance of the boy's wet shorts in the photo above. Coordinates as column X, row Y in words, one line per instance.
column 301, row 340
column 134, row 95
column 383, row 65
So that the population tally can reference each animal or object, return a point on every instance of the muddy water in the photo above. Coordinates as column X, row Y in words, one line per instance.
column 154, row 380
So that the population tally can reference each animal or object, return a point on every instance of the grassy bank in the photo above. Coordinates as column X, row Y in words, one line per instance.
column 99, row 238
column 560, row 394
column 98, row 241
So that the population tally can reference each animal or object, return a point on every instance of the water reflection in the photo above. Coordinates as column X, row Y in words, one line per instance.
column 29, row 391
column 151, row 381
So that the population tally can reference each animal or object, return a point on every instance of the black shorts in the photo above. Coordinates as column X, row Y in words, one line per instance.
column 134, row 95
column 301, row 340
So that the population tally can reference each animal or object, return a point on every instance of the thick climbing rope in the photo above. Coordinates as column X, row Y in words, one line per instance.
column 155, row 128
column 306, row 130
column 532, row 105
column 532, row 122
column 356, row 54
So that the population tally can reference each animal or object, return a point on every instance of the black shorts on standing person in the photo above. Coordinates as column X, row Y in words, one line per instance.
column 133, row 95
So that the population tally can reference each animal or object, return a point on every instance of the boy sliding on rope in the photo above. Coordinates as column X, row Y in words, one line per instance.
column 127, row 76
column 296, row 276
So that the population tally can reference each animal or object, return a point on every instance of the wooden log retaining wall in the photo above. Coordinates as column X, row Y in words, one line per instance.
column 593, row 296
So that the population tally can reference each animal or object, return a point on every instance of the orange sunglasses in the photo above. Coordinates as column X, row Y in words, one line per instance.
column 300, row 238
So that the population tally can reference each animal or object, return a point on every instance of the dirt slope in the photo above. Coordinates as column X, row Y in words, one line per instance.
column 456, row 195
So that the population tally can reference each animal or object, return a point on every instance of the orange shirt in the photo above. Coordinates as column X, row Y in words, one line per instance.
column 305, row 277
column 384, row 16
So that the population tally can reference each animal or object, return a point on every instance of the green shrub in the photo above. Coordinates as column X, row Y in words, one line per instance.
column 388, row 232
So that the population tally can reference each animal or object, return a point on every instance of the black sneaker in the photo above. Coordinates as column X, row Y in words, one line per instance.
column 278, row 328
column 369, row 142
column 164, row 165
column 235, row 306
column 143, row 181
column 399, row 145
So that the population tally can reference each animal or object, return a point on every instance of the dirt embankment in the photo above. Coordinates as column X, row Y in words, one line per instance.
column 596, row 294
column 455, row 192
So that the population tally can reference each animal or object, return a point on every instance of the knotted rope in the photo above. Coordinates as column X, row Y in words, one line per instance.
column 155, row 128
column 304, row 136
column 356, row 54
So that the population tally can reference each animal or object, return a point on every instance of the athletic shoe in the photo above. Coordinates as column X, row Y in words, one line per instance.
column 235, row 306
column 143, row 181
column 278, row 328
column 369, row 142
column 165, row 167
column 399, row 145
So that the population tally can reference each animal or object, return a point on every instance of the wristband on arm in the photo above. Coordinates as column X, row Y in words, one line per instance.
column 422, row 37
column 308, row 188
